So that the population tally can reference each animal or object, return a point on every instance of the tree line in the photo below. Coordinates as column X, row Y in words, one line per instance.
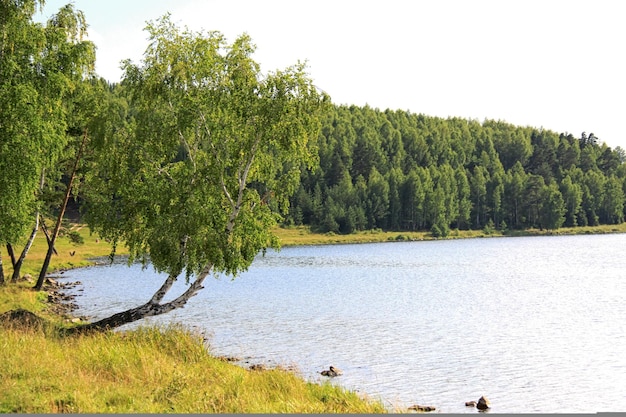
column 396, row 170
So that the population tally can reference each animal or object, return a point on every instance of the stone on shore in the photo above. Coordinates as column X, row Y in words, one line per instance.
column 483, row 403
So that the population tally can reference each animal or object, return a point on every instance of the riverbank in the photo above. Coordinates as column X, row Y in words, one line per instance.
column 304, row 236
column 148, row 370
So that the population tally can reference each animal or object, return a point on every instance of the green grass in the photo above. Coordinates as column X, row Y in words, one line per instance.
column 149, row 370
column 303, row 236
column 69, row 255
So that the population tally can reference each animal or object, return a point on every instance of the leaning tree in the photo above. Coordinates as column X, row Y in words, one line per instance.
column 195, row 180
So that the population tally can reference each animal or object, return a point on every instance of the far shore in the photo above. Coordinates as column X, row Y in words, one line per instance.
column 71, row 255
column 300, row 235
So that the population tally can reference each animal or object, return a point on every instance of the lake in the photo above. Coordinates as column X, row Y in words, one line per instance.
column 536, row 324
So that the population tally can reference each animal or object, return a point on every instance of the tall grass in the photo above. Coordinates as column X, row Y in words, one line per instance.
column 148, row 370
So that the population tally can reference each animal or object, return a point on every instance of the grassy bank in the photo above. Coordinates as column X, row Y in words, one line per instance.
column 304, row 236
column 148, row 371
column 69, row 254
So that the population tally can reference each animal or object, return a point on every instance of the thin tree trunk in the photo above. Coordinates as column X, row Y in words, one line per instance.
column 45, row 231
column 149, row 309
column 46, row 262
column 11, row 254
column 17, row 266
column 1, row 271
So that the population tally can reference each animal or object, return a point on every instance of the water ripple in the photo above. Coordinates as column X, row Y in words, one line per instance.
column 536, row 324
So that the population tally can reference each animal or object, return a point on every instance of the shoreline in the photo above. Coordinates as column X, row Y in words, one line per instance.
column 64, row 306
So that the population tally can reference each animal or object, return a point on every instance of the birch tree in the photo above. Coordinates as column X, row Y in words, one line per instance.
column 38, row 69
column 213, row 150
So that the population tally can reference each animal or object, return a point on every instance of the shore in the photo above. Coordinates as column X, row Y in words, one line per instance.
column 71, row 255
column 147, row 370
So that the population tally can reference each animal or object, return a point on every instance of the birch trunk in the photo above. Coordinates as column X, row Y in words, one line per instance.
column 149, row 309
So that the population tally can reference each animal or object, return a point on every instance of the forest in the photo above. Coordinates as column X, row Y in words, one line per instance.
column 397, row 170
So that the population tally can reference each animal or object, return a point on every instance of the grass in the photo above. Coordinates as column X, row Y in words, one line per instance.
column 149, row 370
column 69, row 254
column 303, row 236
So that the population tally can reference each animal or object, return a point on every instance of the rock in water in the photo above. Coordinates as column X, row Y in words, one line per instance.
column 483, row 403
column 470, row 404
column 423, row 408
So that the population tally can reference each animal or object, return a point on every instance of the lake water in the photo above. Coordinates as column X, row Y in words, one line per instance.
column 536, row 324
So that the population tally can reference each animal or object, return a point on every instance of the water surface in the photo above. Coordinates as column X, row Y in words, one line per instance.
column 536, row 324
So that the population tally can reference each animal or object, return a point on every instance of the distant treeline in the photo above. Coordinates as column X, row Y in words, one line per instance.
column 395, row 170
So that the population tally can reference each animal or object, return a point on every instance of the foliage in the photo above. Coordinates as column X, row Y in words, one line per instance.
column 433, row 174
column 213, row 152
column 39, row 68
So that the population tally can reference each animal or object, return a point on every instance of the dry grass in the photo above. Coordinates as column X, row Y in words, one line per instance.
column 303, row 236
column 148, row 370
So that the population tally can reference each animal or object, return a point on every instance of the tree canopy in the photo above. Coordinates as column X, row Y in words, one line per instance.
column 204, row 165
column 40, row 67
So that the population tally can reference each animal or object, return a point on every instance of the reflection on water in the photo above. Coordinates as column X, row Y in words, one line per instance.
column 535, row 324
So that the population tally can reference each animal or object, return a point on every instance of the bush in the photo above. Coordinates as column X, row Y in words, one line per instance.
column 440, row 229
column 75, row 237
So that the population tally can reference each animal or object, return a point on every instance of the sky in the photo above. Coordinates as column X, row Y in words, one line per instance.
column 552, row 64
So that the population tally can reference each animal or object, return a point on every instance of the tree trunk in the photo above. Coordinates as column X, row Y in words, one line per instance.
column 1, row 271
column 11, row 254
column 17, row 266
column 45, row 231
column 149, row 309
column 46, row 262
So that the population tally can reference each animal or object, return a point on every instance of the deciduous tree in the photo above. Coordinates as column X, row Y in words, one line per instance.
column 215, row 150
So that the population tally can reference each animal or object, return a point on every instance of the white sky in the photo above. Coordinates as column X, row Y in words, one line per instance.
column 554, row 64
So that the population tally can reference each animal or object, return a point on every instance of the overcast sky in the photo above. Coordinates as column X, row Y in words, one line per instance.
column 554, row 64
